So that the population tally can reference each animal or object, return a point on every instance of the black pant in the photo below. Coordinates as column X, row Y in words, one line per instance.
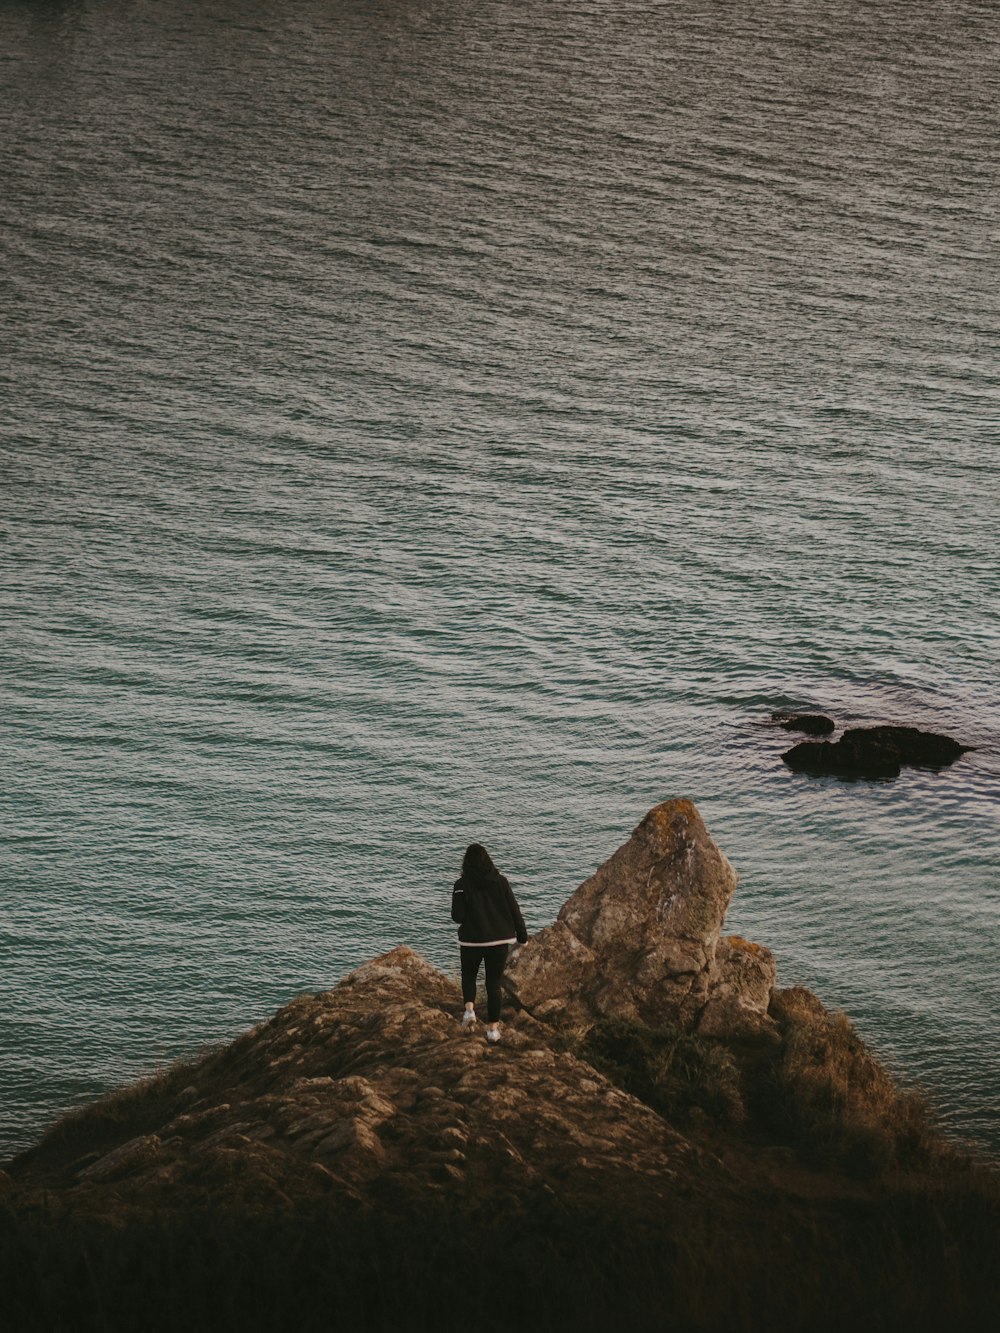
column 472, row 956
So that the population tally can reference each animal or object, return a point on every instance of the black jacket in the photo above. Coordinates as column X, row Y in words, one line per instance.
column 487, row 912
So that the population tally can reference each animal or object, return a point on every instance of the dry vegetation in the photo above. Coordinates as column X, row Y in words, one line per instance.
column 830, row 1096
column 817, row 1089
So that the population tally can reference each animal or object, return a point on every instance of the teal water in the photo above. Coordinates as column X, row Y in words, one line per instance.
column 425, row 422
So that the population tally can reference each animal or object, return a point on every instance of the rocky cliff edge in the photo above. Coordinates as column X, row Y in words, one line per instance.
column 650, row 1077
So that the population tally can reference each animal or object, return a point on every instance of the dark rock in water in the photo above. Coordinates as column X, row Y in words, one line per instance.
column 842, row 760
column 874, row 752
column 813, row 724
column 911, row 744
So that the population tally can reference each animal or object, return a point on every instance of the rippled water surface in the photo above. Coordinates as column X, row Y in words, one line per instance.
column 434, row 421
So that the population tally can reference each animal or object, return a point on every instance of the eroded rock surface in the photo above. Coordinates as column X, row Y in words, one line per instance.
column 371, row 1090
column 640, row 939
column 743, row 978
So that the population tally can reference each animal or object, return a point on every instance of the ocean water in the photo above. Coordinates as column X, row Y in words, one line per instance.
column 430, row 421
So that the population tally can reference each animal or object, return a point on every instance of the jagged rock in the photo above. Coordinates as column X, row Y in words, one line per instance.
column 547, row 975
column 130, row 1157
column 874, row 752
column 740, row 993
column 356, row 1146
column 638, row 939
column 813, row 724
column 375, row 1079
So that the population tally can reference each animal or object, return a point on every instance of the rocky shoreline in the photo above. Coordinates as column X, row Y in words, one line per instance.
column 653, row 1082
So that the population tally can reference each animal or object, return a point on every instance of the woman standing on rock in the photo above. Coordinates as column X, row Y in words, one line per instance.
column 489, row 921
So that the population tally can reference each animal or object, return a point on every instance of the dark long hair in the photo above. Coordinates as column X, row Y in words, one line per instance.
column 477, row 865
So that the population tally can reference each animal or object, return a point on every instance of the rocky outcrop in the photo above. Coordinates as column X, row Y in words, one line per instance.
column 373, row 1084
column 874, row 752
column 641, row 939
column 362, row 1159
column 371, row 1090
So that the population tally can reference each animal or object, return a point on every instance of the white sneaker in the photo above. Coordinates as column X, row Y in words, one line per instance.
column 469, row 1018
column 493, row 1033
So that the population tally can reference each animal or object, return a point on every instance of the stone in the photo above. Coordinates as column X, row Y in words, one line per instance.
column 874, row 752
column 551, row 969
column 453, row 1137
column 125, row 1160
column 449, row 1173
column 740, row 992
column 637, row 940
column 835, row 759
column 799, row 1005
column 356, row 1143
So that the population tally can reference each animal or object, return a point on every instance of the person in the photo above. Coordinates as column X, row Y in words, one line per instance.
column 489, row 921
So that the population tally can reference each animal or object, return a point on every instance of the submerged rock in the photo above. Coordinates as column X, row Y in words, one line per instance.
column 874, row 752
column 813, row 724
column 640, row 939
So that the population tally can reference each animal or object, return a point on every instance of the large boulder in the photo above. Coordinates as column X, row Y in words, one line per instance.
column 639, row 939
